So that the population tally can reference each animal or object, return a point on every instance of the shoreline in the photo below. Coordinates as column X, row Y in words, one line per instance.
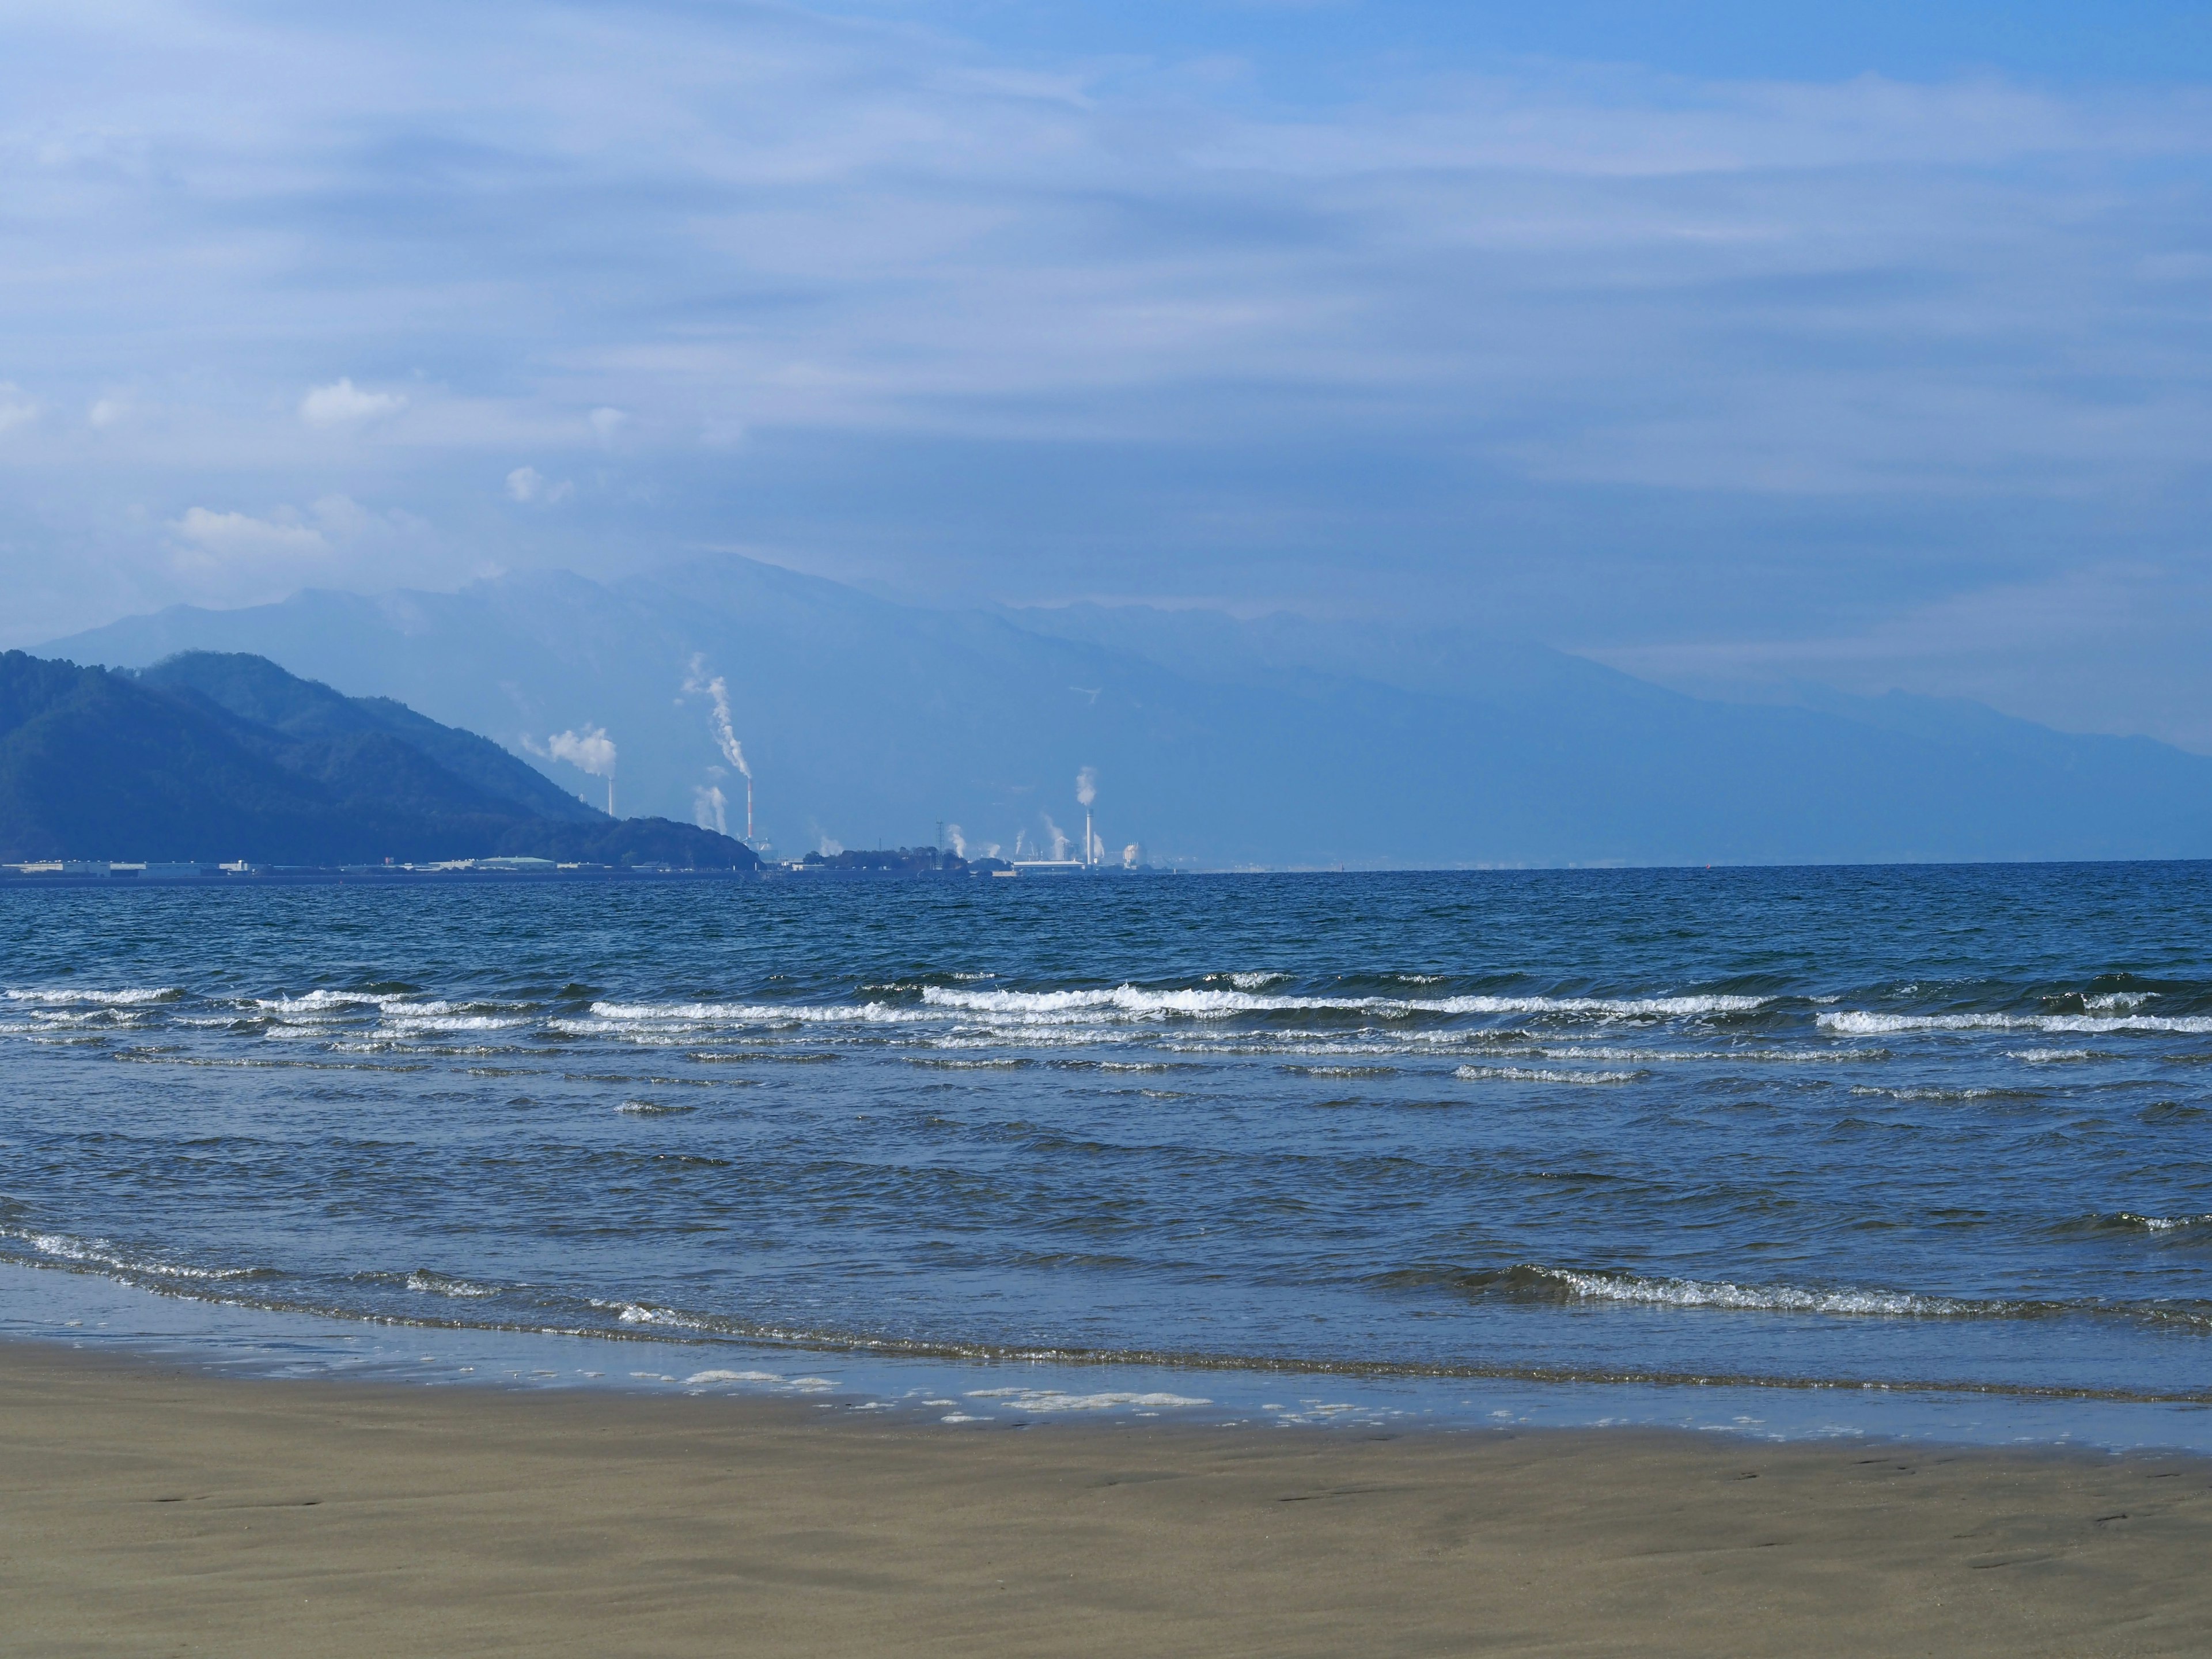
column 212, row 1336
column 150, row 1507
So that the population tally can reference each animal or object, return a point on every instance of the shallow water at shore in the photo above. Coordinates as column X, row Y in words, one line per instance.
column 1932, row 1130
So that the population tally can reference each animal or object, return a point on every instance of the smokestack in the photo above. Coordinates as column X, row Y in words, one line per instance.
column 1087, row 791
column 726, row 735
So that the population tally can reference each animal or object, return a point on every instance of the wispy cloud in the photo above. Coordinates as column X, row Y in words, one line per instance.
column 240, row 535
column 15, row 409
column 1616, row 355
column 344, row 404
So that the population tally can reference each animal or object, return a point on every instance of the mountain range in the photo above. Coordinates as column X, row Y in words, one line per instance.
column 1278, row 740
column 209, row 756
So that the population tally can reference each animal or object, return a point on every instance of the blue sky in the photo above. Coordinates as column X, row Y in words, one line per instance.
column 1726, row 343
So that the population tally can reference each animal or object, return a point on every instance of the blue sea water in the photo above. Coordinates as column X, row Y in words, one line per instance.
column 1442, row 1138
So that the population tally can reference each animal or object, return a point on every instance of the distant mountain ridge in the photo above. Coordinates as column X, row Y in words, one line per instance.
column 1277, row 741
column 208, row 756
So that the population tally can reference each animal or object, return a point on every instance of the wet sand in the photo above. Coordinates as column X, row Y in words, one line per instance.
column 144, row 1511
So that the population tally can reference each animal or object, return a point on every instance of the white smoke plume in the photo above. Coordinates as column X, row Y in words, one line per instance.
column 592, row 749
column 956, row 841
column 725, row 734
column 1098, row 848
column 1086, row 786
column 1059, row 837
column 709, row 810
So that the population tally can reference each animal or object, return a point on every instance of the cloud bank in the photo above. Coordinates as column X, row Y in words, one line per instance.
column 1644, row 360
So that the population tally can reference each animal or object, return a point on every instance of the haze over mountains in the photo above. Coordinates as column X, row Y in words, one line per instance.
column 218, row 756
column 1278, row 741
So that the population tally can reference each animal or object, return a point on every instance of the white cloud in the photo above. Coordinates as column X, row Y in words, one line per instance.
column 343, row 519
column 1470, row 321
column 527, row 485
column 107, row 412
column 344, row 404
column 15, row 409
column 241, row 536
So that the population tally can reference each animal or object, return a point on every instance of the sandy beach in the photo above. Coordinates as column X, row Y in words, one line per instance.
column 150, row 1510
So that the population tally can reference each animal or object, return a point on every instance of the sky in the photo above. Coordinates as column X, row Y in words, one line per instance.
column 1728, row 344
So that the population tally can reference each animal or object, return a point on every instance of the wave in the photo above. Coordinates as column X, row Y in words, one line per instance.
column 2128, row 1221
column 1057, row 1400
column 407, row 1020
column 1718, row 1056
column 618, row 1014
column 1136, row 1002
column 105, row 1253
column 124, row 999
column 431, row 1283
column 1536, row 1074
column 1946, row 1094
column 321, row 1001
column 619, row 1320
column 1862, row 1023
column 1763, row 1298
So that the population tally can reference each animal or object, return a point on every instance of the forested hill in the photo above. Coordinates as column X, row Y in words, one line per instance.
column 225, row 755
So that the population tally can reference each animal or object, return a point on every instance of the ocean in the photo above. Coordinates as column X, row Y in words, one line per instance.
column 1914, row 1150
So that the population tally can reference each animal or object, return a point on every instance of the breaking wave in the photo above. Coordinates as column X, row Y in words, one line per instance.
column 1764, row 1298
column 66, row 995
column 1538, row 1074
column 1860, row 1023
column 1135, row 1002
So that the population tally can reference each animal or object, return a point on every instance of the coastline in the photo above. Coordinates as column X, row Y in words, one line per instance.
column 153, row 1509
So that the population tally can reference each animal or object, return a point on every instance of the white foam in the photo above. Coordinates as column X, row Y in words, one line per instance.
column 1133, row 1002
column 440, row 1285
column 330, row 1001
column 2122, row 1000
column 1719, row 1056
column 407, row 1020
column 1861, row 1023
column 100, row 1253
column 2161, row 1223
column 747, row 1013
column 2048, row 1056
column 1536, row 1074
column 699, row 1378
column 1764, row 1298
column 1054, row 1400
column 1927, row 1094
column 71, row 994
